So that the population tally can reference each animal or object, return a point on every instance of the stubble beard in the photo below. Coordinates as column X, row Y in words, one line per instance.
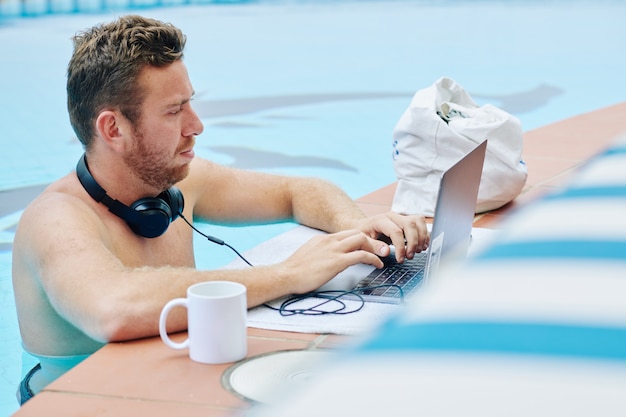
column 152, row 167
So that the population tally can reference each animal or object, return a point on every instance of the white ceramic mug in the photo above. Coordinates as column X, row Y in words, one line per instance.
column 216, row 320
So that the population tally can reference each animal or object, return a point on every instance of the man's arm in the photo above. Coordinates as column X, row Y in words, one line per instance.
column 76, row 259
column 237, row 195
column 229, row 195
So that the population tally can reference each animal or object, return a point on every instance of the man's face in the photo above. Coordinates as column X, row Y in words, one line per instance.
column 165, row 134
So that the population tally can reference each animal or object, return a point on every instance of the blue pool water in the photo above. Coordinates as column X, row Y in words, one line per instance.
column 304, row 88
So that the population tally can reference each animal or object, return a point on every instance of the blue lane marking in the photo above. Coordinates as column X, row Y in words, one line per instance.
column 615, row 150
column 616, row 191
column 558, row 249
column 511, row 338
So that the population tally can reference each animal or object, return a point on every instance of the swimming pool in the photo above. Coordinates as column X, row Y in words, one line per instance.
column 306, row 88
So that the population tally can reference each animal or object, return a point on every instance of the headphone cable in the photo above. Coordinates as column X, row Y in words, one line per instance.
column 215, row 240
column 289, row 308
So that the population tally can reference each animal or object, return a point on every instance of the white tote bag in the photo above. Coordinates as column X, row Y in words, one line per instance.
column 441, row 125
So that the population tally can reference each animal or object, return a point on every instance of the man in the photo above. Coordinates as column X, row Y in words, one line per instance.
column 85, row 273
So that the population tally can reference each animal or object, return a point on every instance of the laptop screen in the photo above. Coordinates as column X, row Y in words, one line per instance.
column 455, row 209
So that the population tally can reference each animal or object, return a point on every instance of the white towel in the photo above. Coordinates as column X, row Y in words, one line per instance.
column 368, row 316
column 356, row 323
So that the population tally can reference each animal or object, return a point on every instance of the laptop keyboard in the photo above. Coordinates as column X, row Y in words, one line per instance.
column 386, row 282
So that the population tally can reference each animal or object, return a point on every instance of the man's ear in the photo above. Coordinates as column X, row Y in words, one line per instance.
column 114, row 129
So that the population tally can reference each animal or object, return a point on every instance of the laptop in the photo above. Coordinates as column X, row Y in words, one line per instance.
column 449, row 239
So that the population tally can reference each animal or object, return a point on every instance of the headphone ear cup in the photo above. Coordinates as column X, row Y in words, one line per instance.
column 173, row 197
column 147, row 217
column 154, row 217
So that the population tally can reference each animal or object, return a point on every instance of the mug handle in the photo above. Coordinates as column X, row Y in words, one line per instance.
column 177, row 302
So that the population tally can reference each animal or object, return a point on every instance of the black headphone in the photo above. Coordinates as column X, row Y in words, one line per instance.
column 147, row 217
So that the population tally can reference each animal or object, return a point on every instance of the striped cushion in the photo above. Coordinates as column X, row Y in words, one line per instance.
column 534, row 325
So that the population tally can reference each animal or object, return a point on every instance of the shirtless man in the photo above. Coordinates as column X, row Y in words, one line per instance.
column 84, row 276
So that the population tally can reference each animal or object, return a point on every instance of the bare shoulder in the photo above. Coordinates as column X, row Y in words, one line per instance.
column 219, row 192
column 55, row 215
column 204, row 173
column 61, row 200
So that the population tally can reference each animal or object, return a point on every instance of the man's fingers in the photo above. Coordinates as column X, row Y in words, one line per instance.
column 361, row 248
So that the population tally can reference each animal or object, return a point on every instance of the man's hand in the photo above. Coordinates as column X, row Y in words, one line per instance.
column 408, row 234
column 324, row 256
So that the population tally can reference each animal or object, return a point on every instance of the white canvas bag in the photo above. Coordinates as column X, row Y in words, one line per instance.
column 442, row 124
